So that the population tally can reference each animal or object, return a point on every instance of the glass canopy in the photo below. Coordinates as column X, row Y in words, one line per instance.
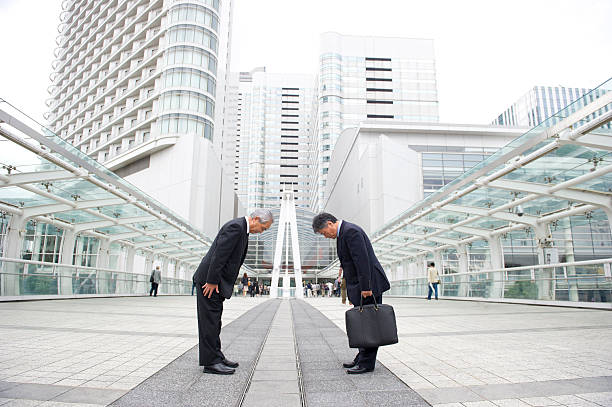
column 316, row 252
column 44, row 178
column 558, row 169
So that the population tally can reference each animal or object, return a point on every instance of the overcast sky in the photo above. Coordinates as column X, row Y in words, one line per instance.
column 488, row 53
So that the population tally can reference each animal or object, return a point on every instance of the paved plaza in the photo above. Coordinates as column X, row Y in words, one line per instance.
column 451, row 353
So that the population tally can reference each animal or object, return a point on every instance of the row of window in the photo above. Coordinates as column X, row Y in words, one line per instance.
column 190, row 77
column 191, row 55
column 178, row 123
column 194, row 34
column 188, row 101
column 195, row 13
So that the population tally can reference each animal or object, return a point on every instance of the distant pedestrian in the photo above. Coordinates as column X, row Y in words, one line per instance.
column 342, row 286
column 155, row 280
column 245, row 284
column 193, row 286
column 433, row 279
column 251, row 288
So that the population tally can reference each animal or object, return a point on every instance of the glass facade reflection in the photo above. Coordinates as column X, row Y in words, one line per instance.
column 130, row 73
column 316, row 252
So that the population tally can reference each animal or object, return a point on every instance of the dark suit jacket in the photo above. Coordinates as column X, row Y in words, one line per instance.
column 361, row 268
column 224, row 258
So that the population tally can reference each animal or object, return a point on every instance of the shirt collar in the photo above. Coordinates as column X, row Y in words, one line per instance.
column 339, row 224
column 247, row 221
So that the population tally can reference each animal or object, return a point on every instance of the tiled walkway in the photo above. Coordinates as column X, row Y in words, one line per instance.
column 476, row 354
column 91, row 351
column 460, row 354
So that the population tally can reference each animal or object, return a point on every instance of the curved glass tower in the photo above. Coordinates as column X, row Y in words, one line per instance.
column 139, row 86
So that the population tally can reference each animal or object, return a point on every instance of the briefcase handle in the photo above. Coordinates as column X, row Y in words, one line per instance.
column 361, row 302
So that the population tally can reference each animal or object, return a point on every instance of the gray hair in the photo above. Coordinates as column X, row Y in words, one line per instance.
column 264, row 215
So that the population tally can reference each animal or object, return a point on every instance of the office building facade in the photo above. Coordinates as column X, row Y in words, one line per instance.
column 268, row 135
column 371, row 78
column 539, row 103
column 139, row 86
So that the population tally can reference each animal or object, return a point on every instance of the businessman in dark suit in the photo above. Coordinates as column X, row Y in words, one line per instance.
column 365, row 277
column 215, row 279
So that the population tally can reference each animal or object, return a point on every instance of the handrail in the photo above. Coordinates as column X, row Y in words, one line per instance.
column 537, row 266
column 45, row 263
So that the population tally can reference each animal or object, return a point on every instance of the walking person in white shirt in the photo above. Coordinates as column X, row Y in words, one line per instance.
column 433, row 278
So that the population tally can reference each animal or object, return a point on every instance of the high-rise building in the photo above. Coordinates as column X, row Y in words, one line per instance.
column 139, row 85
column 371, row 78
column 538, row 104
column 268, row 136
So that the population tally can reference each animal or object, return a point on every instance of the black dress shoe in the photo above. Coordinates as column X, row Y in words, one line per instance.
column 229, row 363
column 349, row 365
column 218, row 368
column 359, row 370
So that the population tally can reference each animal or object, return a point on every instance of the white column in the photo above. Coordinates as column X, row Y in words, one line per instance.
column 287, row 226
column 439, row 261
column 165, row 271
column 295, row 246
column 13, row 243
column 609, row 215
column 148, row 264
column 463, row 255
column 544, row 280
column 496, row 254
column 67, row 253
column 149, row 258
column 103, row 279
column 572, row 285
column 127, row 278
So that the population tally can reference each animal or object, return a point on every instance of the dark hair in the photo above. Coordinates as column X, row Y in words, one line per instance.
column 320, row 221
column 432, row 264
column 245, row 275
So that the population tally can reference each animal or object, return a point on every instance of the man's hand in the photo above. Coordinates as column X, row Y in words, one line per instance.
column 209, row 289
column 365, row 294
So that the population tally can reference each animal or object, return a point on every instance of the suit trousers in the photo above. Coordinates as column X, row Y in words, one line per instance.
column 367, row 356
column 209, row 327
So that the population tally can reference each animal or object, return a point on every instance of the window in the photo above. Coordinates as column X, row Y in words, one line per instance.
column 380, row 116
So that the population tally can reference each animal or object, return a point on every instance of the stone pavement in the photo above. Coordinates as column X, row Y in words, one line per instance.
column 91, row 351
column 460, row 353
column 322, row 348
column 182, row 382
column 275, row 380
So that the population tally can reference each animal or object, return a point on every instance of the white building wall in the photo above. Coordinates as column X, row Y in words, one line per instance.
column 376, row 171
column 372, row 178
column 193, row 186
column 137, row 85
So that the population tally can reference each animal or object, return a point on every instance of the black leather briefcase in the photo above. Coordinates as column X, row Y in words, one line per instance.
column 369, row 326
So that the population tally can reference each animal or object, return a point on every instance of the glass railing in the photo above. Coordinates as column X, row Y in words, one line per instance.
column 25, row 277
column 586, row 281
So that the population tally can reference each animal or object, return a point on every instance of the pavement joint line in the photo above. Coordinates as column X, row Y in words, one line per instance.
column 173, row 385
column 256, row 361
column 97, row 331
column 506, row 331
column 298, row 366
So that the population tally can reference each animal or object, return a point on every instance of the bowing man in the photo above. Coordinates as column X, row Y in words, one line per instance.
column 215, row 279
column 365, row 277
